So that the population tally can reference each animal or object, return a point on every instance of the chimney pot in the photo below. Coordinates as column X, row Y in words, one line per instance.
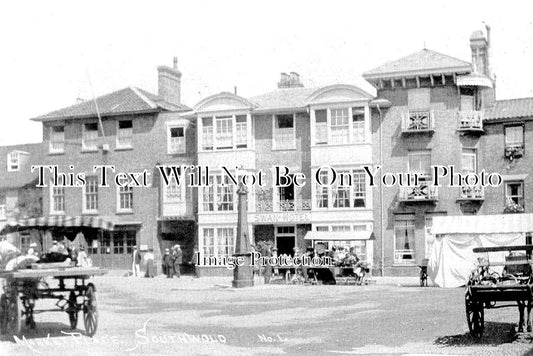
column 176, row 63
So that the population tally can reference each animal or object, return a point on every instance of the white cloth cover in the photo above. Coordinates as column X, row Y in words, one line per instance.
column 452, row 258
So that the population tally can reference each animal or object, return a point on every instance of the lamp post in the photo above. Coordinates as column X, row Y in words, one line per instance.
column 242, row 274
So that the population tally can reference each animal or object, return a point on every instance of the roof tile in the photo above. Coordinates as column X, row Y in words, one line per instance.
column 508, row 109
column 425, row 61
column 121, row 101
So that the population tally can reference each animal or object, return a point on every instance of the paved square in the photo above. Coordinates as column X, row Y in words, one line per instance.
column 139, row 316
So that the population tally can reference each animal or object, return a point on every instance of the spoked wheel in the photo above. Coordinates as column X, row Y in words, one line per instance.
column 474, row 315
column 3, row 314
column 90, row 313
column 14, row 312
column 72, row 310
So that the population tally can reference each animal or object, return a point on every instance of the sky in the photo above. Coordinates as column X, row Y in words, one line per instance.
column 54, row 52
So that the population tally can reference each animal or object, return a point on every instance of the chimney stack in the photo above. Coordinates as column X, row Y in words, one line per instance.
column 479, row 46
column 290, row 81
column 169, row 83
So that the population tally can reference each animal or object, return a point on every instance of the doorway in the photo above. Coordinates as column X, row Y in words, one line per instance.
column 285, row 238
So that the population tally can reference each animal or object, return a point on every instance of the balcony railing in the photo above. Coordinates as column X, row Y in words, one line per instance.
column 420, row 193
column 514, row 151
column 470, row 121
column 472, row 193
column 282, row 205
column 2, row 212
column 418, row 121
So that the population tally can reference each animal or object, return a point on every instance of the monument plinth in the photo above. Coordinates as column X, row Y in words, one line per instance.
column 243, row 275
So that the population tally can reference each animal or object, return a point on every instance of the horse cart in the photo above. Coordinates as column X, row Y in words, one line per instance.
column 69, row 286
column 488, row 288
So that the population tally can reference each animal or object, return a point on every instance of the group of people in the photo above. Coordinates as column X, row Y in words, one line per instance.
column 171, row 266
column 58, row 252
column 172, row 262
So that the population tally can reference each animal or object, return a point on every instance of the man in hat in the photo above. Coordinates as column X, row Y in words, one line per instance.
column 177, row 260
column 54, row 247
column 168, row 263
column 32, row 250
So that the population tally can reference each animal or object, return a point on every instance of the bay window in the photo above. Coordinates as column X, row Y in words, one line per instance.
column 346, row 193
column 219, row 195
column 172, row 193
column 338, row 126
column 176, row 139
column 224, row 132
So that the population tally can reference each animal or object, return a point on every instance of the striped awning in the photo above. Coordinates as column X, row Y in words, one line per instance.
column 482, row 224
column 65, row 221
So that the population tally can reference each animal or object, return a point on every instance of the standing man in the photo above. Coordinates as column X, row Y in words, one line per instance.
column 136, row 263
column 168, row 263
column 178, row 260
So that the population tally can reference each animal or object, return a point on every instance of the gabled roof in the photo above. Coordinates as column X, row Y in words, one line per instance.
column 24, row 176
column 508, row 109
column 423, row 62
column 127, row 100
column 286, row 98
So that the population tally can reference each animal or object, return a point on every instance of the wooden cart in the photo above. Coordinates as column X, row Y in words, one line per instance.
column 22, row 288
column 486, row 288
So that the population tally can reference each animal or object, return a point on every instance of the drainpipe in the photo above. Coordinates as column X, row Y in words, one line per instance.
column 382, row 264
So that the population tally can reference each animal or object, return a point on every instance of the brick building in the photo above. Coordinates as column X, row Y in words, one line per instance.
column 300, row 128
column 19, row 198
column 429, row 112
column 134, row 131
column 508, row 130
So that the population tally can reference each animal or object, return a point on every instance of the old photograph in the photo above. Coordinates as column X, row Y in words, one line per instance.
column 266, row 178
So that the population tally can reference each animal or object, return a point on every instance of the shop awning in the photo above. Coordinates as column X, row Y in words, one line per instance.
column 474, row 80
column 338, row 235
column 65, row 221
column 482, row 224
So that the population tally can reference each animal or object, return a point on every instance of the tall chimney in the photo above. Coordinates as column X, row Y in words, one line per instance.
column 169, row 83
column 479, row 47
column 295, row 80
column 284, row 81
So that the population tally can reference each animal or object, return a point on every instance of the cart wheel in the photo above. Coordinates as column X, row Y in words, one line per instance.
column 72, row 311
column 90, row 313
column 474, row 315
column 14, row 314
column 3, row 314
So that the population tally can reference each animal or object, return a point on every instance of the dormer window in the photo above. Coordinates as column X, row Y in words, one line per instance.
column 13, row 161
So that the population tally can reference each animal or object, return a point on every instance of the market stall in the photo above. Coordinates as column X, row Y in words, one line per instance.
column 452, row 257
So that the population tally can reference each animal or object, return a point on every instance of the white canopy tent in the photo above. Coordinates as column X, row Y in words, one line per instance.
column 452, row 258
